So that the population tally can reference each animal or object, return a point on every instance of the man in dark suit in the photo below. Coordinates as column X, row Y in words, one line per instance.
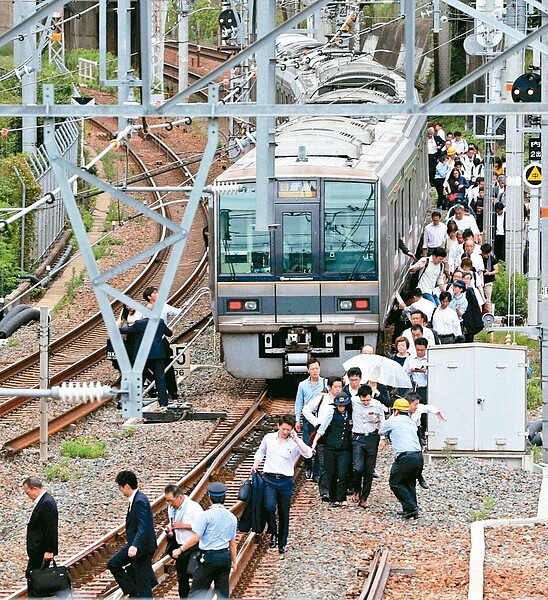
column 131, row 565
column 42, row 529
column 156, row 356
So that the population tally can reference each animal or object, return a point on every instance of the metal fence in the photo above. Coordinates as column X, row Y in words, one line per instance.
column 50, row 219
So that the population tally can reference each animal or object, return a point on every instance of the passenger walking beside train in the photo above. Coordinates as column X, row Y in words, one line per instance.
column 465, row 221
column 183, row 514
column 431, row 269
column 459, row 143
column 131, row 565
column 316, row 412
column 215, row 533
column 280, row 450
column 408, row 459
column 367, row 415
column 443, row 167
column 434, row 144
column 307, row 391
column 491, row 267
column 418, row 303
column 418, row 318
column 336, row 435
column 435, row 234
column 445, row 320
column 459, row 303
column 416, row 368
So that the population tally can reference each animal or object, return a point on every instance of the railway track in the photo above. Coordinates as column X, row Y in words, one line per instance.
column 81, row 350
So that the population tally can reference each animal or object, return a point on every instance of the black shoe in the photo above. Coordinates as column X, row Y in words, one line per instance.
column 325, row 498
column 308, row 474
column 315, row 479
column 281, row 549
column 273, row 541
column 423, row 483
column 411, row 515
column 375, row 475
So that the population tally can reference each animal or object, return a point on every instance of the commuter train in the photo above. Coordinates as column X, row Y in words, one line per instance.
column 322, row 281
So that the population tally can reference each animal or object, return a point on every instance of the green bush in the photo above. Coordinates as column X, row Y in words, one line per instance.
column 83, row 447
column 61, row 472
column 518, row 286
column 102, row 248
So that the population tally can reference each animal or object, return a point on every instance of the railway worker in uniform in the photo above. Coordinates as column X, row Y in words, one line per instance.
column 408, row 459
column 316, row 412
column 308, row 390
column 42, row 528
column 150, row 294
column 367, row 415
column 183, row 514
column 215, row 533
column 431, row 268
column 336, row 433
column 280, row 450
column 131, row 565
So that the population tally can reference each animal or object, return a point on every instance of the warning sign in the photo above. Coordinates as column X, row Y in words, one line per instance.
column 532, row 175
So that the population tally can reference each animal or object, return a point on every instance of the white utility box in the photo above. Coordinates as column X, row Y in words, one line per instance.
column 482, row 391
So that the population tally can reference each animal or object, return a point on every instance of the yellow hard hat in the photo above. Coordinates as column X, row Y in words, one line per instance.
column 401, row 404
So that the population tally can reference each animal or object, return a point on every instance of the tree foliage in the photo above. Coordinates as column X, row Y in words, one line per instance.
column 510, row 293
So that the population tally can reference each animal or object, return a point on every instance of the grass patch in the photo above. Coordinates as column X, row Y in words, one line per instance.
column 13, row 342
column 116, row 213
column 61, row 472
column 102, row 248
column 484, row 512
column 72, row 285
column 83, row 447
column 126, row 432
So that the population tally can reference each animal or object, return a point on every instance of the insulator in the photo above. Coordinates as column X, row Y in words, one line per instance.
column 228, row 187
column 81, row 392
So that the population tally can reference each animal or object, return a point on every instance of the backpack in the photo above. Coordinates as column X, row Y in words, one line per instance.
column 416, row 276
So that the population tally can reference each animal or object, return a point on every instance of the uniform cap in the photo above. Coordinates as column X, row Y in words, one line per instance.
column 216, row 489
column 401, row 404
column 459, row 283
column 341, row 400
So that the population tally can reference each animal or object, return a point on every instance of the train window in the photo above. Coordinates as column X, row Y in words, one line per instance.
column 298, row 188
column 297, row 242
column 242, row 249
column 350, row 245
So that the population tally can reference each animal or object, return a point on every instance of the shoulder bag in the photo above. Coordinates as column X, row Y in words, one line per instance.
column 244, row 493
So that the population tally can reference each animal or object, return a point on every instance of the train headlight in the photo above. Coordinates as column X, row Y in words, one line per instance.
column 354, row 304
column 242, row 305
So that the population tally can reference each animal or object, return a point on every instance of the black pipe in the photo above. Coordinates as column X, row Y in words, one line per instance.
column 12, row 312
column 59, row 264
column 30, row 278
column 22, row 318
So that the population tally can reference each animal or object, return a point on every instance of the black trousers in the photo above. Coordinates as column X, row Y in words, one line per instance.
column 403, row 479
column 364, row 458
column 134, row 575
column 181, row 565
column 338, row 463
column 213, row 567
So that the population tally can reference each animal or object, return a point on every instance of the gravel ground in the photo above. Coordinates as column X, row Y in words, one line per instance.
column 328, row 546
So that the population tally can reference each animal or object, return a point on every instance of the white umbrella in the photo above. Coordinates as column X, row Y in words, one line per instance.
column 380, row 369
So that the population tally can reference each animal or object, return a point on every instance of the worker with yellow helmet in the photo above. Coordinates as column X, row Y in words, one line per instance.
column 408, row 461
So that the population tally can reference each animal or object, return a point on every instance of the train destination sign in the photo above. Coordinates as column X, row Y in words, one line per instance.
column 532, row 175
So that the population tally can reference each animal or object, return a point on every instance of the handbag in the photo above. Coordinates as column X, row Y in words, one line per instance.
column 244, row 493
column 49, row 581
column 193, row 562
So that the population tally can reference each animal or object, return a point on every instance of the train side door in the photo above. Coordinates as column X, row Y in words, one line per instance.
column 297, row 262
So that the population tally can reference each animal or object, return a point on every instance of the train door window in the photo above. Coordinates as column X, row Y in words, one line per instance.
column 297, row 242
column 242, row 250
column 350, row 244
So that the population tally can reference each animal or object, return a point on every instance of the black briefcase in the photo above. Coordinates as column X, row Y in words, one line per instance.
column 49, row 581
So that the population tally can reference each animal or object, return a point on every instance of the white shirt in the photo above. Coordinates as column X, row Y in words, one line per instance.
column 466, row 222
column 430, row 276
column 424, row 305
column 446, row 321
column 414, row 362
column 38, row 498
column 499, row 224
column 366, row 419
column 192, row 510
column 461, row 146
column 421, row 409
column 435, row 235
column 326, row 407
column 427, row 333
column 170, row 311
column 279, row 454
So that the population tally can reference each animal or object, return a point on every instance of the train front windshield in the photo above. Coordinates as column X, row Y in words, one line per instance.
column 326, row 231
